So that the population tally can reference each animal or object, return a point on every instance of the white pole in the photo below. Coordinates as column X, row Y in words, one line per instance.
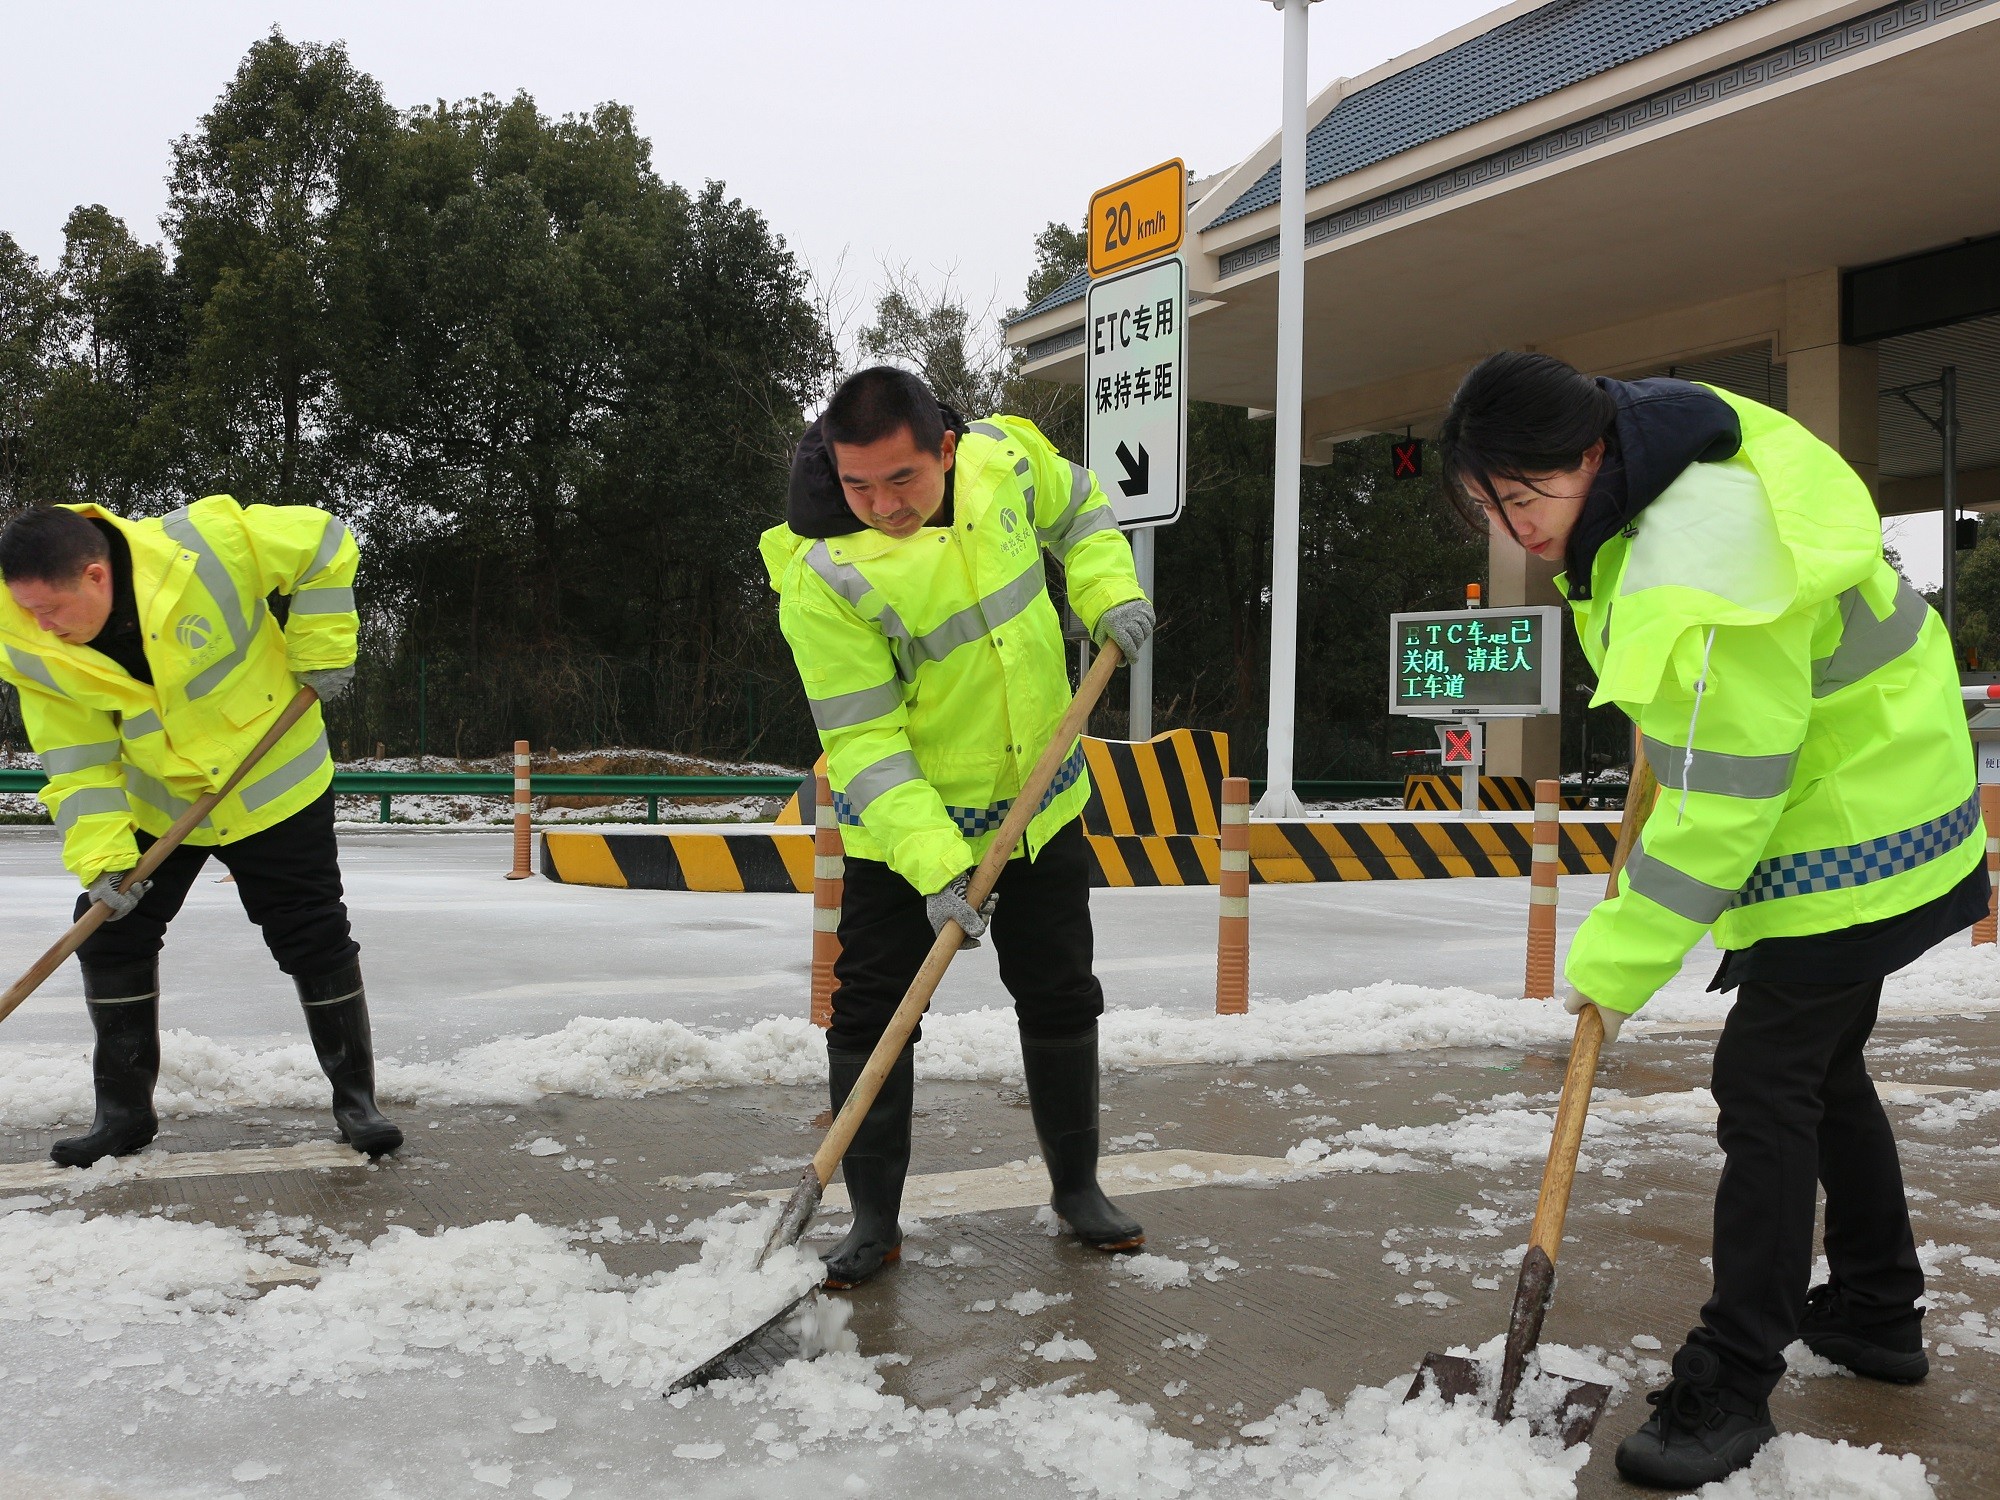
column 1141, row 716
column 1279, row 800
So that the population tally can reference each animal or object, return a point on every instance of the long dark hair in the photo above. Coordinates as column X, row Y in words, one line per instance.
column 1516, row 416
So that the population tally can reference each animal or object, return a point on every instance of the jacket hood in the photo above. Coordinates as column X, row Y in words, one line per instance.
column 1660, row 427
column 814, row 504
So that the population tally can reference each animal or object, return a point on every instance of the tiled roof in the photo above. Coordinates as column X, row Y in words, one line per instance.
column 1533, row 55
column 1550, row 48
column 1069, row 291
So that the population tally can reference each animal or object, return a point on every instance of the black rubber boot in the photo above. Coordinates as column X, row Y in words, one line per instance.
column 873, row 1169
column 1890, row 1349
column 1062, row 1095
column 124, row 1004
column 336, row 1008
column 1701, row 1429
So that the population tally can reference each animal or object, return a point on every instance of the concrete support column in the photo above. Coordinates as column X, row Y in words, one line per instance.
column 1521, row 747
column 1831, row 386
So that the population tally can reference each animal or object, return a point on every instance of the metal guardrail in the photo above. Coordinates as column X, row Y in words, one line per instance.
column 388, row 785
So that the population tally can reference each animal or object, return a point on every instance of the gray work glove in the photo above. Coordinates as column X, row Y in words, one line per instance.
column 105, row 889
column 1575, row 1001
column 950, row 905
column 1129, row 624
column 328, row 682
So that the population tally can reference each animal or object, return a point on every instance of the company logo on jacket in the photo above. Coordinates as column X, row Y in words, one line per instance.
column 193, row 631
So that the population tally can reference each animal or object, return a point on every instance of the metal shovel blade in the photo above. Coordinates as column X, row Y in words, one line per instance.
column 1454, row 1376
column 738, row 1356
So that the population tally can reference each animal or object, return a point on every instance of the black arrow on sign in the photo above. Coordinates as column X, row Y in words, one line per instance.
column 1137, row 470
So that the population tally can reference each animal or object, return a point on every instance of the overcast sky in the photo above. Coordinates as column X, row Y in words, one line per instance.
column 941, row 134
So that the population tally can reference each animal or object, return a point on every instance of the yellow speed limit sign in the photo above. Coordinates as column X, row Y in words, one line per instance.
column 1139, row 218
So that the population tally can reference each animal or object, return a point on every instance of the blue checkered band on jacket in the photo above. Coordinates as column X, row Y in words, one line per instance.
column 973, row 821
column 1859, row 864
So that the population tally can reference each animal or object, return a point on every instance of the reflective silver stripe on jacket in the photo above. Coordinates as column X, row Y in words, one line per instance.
column 75, row 758
column 323, row 602
column 1079, row 491
column 1678, row 892
column 1723, row 775
column 1866, row 643
column 989, row 430
column 273, row 785
column 85, row 801
column 32, row 667
column 865, row 785
column 844, row 579
column 141, row 724
column 222, row 588
column 1088, row 524
column 846, row 710
column 154, row 793
column 329, row 546
column 974, row 622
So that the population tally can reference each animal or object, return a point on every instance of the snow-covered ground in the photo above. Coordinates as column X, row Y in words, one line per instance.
column 291, row 1358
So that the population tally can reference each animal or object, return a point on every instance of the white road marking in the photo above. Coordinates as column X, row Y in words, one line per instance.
column 309, row 1156
column 940, row 1195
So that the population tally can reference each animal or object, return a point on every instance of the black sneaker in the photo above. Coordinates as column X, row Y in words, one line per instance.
column 1700, row 1430
column 1889, row 1349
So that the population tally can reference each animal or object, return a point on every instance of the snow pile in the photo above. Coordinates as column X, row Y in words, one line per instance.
column 1374, row 1446
column 629, row 1057
column 1513, row 1130
column 1793, row 1466
column 105, row 1273
column 494, row 1291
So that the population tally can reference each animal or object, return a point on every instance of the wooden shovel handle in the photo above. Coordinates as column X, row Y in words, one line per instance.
column 151, row 860
column 1559, row 1176
column 918, row 998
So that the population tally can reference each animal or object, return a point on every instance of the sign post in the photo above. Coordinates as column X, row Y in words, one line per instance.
column 1465, row 666
column 1135, row 367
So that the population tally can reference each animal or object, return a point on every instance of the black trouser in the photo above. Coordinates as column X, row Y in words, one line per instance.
column 1798, row 1107
column 1040, row 932
column 288, row 877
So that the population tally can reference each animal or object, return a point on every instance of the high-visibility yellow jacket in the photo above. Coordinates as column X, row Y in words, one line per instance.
column 1799, row 702
column 934, row 665
column 120, row 753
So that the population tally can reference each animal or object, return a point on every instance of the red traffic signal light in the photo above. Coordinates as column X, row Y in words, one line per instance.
column 1406, row 459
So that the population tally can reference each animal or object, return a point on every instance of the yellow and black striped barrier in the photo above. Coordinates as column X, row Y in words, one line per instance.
column 1429, row 792
column 1168, row 785
column 1153, row 818
column 1356, row 849
column 1280, row 854
column 708, row 859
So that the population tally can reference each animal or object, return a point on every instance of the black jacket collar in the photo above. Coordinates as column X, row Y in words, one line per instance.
column 1661, row 427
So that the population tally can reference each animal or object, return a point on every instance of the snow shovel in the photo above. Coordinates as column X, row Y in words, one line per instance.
column 1577, row 1412
column 151, row 860
column 804, row 1202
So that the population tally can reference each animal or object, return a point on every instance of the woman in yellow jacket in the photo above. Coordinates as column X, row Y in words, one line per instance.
column 1818, row 814
column 148, row 664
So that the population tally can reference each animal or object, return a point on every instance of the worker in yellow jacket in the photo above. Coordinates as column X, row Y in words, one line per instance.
column 1818, row 815
column 149, row 662
column 911, row 589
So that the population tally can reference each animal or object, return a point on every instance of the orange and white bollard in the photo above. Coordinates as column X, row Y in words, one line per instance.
column 1547, row 856
column 523, row 837
column 1987, row 928
column 1232, row 943
column 829, row 878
